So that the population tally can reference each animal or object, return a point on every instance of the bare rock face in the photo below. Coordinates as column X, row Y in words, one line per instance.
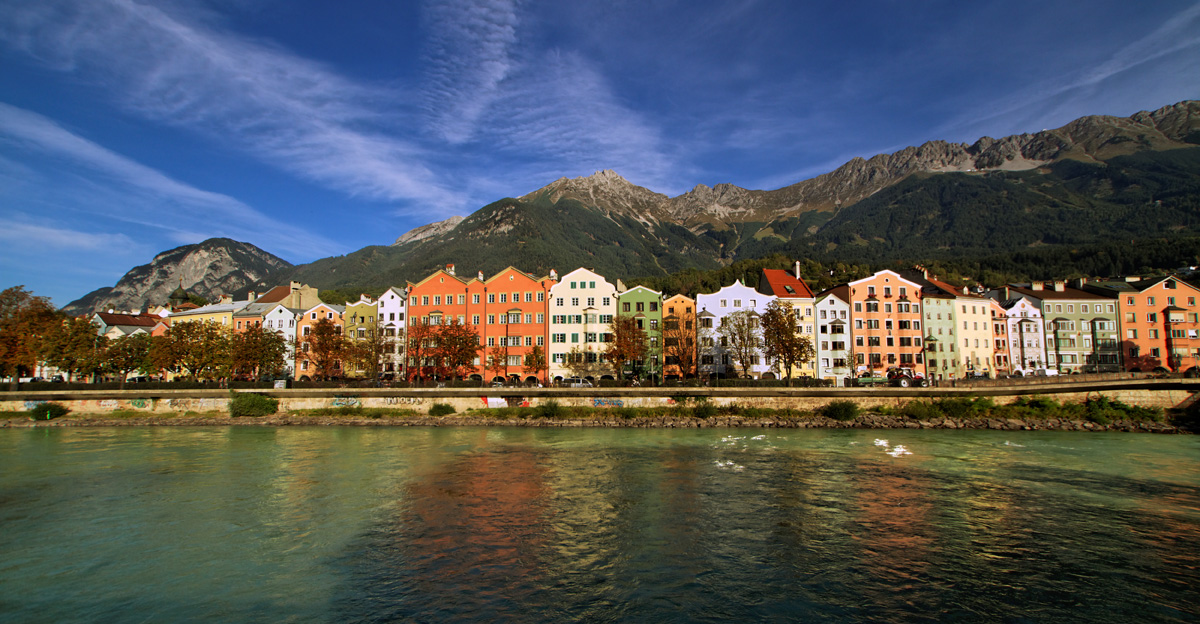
column 428, row 231
column 218, row 266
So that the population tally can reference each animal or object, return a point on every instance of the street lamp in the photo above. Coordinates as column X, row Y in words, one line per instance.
column 930, row 347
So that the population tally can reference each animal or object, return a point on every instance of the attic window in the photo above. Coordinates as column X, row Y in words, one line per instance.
column 790, row 290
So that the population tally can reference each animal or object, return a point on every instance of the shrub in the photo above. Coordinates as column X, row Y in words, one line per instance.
column 840, row 410
column 48, row 411
column 441, row 409
column 549, row 409
column 252, row 405
column 704, row 409
column 920, row 410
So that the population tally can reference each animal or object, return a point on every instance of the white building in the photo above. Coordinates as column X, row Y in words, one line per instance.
column 393, row 304
column 1026, row 334
column 581, row 308
column 282, row 320
column 714, row 354
column 833, row 335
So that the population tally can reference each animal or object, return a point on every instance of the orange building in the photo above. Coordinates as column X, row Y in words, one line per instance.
column 514, row 322
column 1000, row 357
column 885, row 316
column 305, row 366
column 438, row 299
column 679, row 337
column 1159, row 322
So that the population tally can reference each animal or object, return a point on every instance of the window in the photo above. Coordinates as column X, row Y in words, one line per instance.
column 574, row 338
column 475, row 298
column 574, row 301
column 558, row 301
column 558, row 338
column 591, row 301
column 491, row 319
column 723, row 303
column 491, row 297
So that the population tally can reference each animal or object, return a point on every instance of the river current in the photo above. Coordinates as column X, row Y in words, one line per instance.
column 248, row 524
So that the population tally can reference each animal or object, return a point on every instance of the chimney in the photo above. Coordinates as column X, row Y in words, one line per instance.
column 1060, row 286
column 554, row 275
column 479, row 276
column 797, row 269
column 110, row 310
column 294, row 285
column 225, row 299
column 1037, row 286
column 251, row 296
column 450, row 269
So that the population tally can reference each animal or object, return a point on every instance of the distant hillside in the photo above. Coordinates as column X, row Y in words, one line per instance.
column 1099, row 183
column 214, row 267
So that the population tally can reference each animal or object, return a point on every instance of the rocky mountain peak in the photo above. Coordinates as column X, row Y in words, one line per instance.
column 218, row 266
column 428, row 231
column 608, row 191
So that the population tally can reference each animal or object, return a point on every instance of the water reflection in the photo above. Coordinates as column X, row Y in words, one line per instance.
column 333, row 525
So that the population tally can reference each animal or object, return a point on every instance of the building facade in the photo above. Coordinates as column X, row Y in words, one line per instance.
column 717, row 355
column 582, row 306
column 886, row 323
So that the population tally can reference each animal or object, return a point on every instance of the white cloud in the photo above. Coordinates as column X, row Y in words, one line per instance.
column 40, row 237
column 469, row 56
column 288, row 111
column 146, row 196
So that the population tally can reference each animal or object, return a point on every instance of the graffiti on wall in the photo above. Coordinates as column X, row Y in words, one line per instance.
column 402, row 401
column 32, row 404
column 196, row 405
column 346, row 401
column 608, row 403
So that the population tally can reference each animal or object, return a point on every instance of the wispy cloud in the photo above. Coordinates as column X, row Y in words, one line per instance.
column 178, row 207
column 32, row 236
column 469, row 55
column 563, row 110
column 289, row 111
column 1062, row 98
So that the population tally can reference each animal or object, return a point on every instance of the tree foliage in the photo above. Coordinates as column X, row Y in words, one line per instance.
column 326, row 347
column 458, row 345
column 257, row 352
column 24, row 320
column 127, row 354
column 783, row 345
column 75, row 347
column 629, row 344
column 741, row 338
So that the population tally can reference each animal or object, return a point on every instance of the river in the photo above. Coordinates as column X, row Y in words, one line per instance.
column 342, row 524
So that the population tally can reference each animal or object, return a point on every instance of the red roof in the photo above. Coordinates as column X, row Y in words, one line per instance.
column 134, row 320
column 277, row 294
column 784, row 284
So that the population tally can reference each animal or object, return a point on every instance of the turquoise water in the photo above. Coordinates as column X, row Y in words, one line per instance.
column 245, row 524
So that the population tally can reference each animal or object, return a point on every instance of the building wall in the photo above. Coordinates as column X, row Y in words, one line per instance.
column 1153, row 335
column 886, row 315
column 681, row 310
column 646, row 306
column 582, row 305
column 508, row 296
column 734, row 298
column 833, row 341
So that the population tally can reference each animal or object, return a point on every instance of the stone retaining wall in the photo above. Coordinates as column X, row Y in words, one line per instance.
column 869, row 421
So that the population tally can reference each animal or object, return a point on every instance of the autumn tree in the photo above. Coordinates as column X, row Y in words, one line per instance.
column 127, row 354
column 498, row 360
column 681, row 343
column 583, row 363
column 457, row 348
column 201, row 349
column 740, row 338
column 24, row 320
column 369, row 345
column 74, row 346
column 325, row 346
column 629, row 344
column 257, row 352
column 421, row 340
column 782, row 343
column 535, row 362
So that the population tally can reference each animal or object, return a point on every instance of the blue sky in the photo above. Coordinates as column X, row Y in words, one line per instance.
column 316, row 128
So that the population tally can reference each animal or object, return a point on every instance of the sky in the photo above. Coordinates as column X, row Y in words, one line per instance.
column 313, row 129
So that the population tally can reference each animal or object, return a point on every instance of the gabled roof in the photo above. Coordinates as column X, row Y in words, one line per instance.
column 639, row 287
column 278, row 293
column 1049, row 294
column 841, row 292
column 131, row 320
column 784, row 284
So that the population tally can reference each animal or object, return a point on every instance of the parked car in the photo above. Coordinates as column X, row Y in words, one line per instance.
column 576, row 382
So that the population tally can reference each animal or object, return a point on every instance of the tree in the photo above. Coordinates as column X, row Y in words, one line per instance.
column 782, row 343
column 257, row 352
column 498, row 360
column 629, row 344
column 681, row 340
column 369, row 346
column 421, row 341
column 74, row 346
column 457, row 348
column 200, row 348
column 127, row 354
column 740, row 338
column 584, row 363
column 24, row 320
column 326, row 347
column 535, row 362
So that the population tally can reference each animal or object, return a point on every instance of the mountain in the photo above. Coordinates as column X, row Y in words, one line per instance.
column 1097, row 181
column 218, row 266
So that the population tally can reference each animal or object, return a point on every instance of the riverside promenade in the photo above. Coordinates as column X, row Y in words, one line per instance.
column 1146, row 392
